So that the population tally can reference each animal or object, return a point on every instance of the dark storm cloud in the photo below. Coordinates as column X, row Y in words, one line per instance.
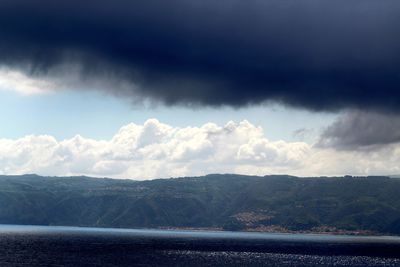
column 361, row 130
column 313, row 54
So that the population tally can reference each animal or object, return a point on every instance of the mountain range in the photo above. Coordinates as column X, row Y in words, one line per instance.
column 217, row 201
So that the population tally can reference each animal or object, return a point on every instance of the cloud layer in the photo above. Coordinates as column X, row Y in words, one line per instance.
column 22, row 84
column 157, row 150
column 318, row 55
column 361, row 130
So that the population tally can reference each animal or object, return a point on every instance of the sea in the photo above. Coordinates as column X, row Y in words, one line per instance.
column 79, row 246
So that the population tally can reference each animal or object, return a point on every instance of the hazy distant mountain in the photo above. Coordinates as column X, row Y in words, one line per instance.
column 230, row 202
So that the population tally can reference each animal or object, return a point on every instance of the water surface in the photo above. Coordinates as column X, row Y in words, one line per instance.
column 74, row 246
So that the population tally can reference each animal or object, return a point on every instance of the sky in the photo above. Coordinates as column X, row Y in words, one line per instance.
column 155, row 89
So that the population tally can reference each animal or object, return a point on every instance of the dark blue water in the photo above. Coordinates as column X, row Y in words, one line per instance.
column 72, row 246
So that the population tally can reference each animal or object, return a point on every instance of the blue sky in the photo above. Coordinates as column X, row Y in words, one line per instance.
column 93, row 114
column 67, row 88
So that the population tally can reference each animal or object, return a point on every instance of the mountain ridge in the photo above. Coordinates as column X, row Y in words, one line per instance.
column 216, row 201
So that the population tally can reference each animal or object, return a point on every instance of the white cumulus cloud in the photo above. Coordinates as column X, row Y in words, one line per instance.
column 157, row 150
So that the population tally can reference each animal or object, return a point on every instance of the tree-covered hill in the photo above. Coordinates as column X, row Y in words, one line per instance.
column 233, row 202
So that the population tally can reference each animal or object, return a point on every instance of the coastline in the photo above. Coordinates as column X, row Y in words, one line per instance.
column 282, row 230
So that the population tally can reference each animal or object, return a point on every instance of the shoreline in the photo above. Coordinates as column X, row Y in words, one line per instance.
column 280, row 230
column 261, row 230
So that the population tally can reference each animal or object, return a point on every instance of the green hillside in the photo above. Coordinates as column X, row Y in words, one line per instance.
column 231, row 202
